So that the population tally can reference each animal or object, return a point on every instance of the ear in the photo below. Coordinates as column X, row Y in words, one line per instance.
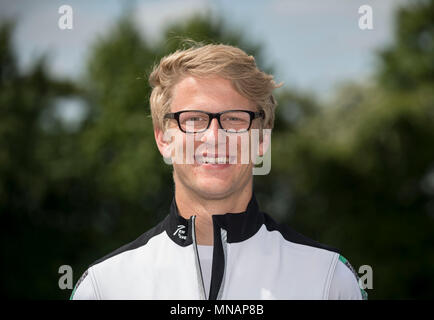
column 164, row 142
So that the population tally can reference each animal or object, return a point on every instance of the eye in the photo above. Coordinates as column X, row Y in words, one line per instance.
column 233, row 119
column 193, row 117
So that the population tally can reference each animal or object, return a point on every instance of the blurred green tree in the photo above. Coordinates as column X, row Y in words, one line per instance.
column 408, row 63
column 36, row 174
column 361, row 171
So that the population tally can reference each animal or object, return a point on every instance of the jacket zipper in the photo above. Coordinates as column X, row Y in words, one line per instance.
column 198, row 267
column 223, row 237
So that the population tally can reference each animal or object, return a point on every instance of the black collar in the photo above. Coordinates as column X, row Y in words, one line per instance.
column 239, row 226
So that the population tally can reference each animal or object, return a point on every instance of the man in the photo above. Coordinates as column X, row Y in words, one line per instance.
column 216, row 243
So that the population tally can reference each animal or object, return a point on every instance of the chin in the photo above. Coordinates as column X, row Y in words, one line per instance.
column 213, row 188
column 209, row 183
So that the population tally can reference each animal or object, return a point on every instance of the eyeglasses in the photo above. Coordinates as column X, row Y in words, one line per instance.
column 196, row 121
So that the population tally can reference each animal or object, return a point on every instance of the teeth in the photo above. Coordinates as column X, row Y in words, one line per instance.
column 219, row 160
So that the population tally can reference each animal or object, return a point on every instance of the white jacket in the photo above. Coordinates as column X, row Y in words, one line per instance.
column 253, row 258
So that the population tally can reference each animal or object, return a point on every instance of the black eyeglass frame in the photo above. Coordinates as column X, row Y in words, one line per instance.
column 253, row 115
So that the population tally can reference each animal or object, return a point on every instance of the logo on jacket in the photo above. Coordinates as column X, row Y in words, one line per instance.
column 181, row 232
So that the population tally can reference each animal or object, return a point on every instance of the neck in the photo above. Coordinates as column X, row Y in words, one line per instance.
column 191, row 203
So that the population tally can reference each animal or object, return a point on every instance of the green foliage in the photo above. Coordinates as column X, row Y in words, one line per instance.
column 408, row 63
column 366, row 174
column 27, row 182
column 359, row 174
column 361, row 170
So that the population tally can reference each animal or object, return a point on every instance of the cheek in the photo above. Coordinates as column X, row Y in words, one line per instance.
column 241, row 148
column 182, row 150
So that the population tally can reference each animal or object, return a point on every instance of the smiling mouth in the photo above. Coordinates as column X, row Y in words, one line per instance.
column 215, row 160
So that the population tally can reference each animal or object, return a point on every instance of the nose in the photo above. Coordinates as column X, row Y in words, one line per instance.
column 214, row 127
column 211, row 135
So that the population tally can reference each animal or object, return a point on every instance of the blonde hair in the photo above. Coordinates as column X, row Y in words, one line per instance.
column 206, row 60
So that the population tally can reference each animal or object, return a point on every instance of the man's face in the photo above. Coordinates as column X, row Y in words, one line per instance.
column 210, row 180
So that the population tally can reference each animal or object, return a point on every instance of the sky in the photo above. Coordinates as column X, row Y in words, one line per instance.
column 312, row 45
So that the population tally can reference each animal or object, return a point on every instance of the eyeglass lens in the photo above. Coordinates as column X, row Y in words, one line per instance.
column 195, row 121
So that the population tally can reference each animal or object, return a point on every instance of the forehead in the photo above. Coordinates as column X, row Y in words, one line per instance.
column 211, row 94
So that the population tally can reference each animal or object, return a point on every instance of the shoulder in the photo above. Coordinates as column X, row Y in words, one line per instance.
column 87, row 286
column 345, row 283
column 141, row 241
column 290, row 235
